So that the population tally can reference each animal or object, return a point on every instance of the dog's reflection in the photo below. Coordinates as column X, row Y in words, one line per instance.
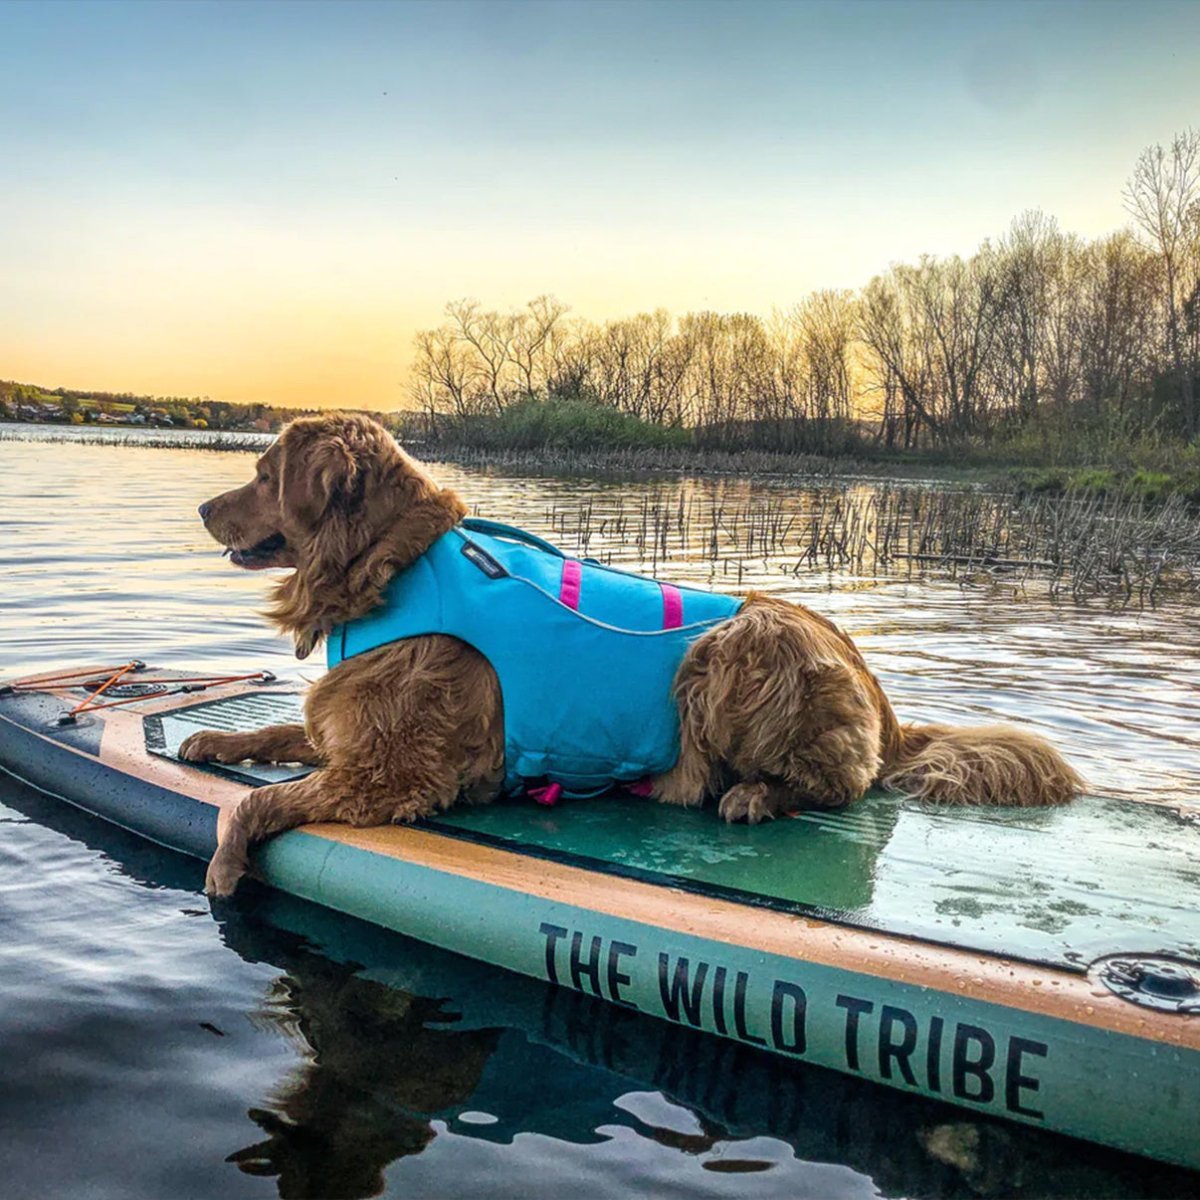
column 380, row 1062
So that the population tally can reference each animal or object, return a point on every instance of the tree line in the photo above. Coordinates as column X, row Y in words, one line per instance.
column 1039, row 330
column 31, row 401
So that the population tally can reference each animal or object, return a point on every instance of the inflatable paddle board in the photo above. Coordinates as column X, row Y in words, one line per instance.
column 1042, row 966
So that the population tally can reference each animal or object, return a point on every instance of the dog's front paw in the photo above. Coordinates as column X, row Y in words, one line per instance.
column 211, row 746
column 406, row 814
column 749, row 802
column 223, row 874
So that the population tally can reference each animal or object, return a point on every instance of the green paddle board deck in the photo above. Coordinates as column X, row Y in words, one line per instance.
column 1057, row 886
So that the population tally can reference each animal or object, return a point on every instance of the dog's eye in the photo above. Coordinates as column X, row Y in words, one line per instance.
column 263, row 477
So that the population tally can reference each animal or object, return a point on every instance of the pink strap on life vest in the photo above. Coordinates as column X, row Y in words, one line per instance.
column 549, row 795
column 572, row 581
column 672, row 606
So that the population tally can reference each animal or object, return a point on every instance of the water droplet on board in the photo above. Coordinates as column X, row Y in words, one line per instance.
column 478, row 1118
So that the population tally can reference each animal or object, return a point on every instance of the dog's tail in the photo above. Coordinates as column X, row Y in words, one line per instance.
column 984, row 764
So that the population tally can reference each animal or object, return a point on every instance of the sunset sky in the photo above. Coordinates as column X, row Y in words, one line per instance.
column 264, row 201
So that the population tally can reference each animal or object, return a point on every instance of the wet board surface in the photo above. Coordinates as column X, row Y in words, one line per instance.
column 1057, row 886
column 947, row 951
column 1060, row 886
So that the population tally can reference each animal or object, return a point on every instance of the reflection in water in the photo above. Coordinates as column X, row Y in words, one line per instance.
column 383, row 1062
column 376, row 1066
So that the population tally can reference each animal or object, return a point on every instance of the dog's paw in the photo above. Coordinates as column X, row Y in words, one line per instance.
column 749, row 802
column 223, row 874
column 210, row 746
column 407, row 814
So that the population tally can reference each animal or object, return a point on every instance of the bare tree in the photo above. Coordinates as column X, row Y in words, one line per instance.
column 827, row 329
column 1163, row 197
column 1120, row 320
column 442, row 374
column 531, row 338
column 490, row 335
column 572, row 359
column 900, row 359
column 671, row 368
column 958, row 305
column 1029, row 265
column 730, row 369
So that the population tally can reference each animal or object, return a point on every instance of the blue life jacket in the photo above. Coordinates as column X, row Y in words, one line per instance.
column 586, row 655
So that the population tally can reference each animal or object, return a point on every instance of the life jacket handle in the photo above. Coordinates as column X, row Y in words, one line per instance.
column 500, row 530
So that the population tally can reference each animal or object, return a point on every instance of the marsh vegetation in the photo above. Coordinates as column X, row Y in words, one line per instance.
column 1082, row 545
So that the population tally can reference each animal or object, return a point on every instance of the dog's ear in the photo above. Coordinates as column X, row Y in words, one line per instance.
column 322, row 481
column 318, row 475
column 297, row 613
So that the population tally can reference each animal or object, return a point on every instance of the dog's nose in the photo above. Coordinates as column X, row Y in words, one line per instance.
column 204, row 510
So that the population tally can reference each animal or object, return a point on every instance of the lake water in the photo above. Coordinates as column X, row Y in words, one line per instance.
column 151, row 1049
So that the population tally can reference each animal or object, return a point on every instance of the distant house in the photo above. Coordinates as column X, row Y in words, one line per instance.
column 39, row 412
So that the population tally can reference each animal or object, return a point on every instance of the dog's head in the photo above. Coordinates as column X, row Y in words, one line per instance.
column 337, row 499
column 315, row 474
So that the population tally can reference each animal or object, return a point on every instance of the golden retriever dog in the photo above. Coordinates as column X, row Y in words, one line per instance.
column 777, row 708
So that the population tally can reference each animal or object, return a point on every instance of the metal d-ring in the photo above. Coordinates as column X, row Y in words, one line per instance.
column 1155, row 981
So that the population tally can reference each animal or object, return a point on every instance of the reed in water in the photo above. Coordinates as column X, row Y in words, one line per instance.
column 1081, row 544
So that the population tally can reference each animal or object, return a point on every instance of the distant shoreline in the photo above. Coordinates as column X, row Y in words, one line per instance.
column 149, row 436
column 665, row 461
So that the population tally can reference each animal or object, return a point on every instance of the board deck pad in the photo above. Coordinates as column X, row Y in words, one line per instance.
column 166, row 732
column 1055, row 886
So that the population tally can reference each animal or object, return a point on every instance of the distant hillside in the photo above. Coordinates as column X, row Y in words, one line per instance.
column 32, row 402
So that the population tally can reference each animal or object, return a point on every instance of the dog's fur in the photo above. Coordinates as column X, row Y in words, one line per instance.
column 777, row 708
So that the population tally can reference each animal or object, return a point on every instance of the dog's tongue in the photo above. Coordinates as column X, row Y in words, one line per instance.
column 246, row 560
column 256, row 558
